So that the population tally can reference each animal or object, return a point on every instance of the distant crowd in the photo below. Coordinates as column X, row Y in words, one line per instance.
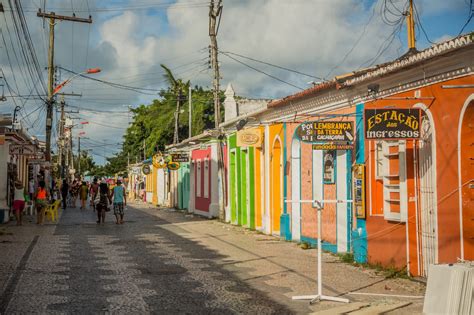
column 99, row 195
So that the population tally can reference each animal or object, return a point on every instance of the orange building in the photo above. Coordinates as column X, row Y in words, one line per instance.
column 420, row 205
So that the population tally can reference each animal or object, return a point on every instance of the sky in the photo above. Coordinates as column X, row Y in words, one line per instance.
column 129, row 39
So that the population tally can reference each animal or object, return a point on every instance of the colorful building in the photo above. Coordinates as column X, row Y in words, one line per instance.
column 419, row 203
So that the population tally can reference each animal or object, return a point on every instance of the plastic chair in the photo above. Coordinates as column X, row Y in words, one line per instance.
column 29, row 208
column 56, row 206
column 51, row 211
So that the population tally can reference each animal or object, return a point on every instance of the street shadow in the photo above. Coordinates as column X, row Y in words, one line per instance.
column 178, row 275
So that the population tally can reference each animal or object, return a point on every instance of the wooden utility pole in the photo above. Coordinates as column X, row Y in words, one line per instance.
column 215, row 10
column 50, row 101
column 411, row 28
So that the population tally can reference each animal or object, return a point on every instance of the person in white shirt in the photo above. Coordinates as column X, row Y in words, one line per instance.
column 31, row 188
column 19, row 202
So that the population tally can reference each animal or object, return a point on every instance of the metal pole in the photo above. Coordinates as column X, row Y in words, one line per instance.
column 79, row 156
column 190, row 111
column 320, row 276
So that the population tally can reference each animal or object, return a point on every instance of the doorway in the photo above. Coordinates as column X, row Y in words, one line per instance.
column 276, row 181
column 466, row 179
column 427, row 194
column 296, row 189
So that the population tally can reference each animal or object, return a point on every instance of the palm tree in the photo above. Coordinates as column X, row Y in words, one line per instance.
column 177, row 86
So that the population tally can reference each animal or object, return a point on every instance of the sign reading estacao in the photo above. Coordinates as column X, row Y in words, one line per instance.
column 326, row 131
column 392, row 123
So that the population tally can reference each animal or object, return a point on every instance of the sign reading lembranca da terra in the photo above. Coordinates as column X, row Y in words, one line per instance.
column 326, row 131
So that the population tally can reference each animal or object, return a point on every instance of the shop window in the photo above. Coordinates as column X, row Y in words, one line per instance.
column 206, row 178
column 198, row 179
column 393, row 174
column 329, row 172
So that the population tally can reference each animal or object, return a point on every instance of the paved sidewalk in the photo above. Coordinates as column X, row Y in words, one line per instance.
column 282, row 269
column 164, row 261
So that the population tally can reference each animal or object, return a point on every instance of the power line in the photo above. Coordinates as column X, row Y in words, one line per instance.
column 471, row 15
column 418, row 19
column 337, row 65
column 262, row 72
column 273, row 65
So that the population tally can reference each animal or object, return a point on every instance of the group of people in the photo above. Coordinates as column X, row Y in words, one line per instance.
column 101, row 197
column 100, row 194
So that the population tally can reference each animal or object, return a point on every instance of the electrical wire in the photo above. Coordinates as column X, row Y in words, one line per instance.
column 262, row 72
column 272, row 65
column 471, row 15
column 337, row 65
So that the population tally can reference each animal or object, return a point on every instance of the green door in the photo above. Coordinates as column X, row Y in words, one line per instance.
column 243, row 187
column 232, row 187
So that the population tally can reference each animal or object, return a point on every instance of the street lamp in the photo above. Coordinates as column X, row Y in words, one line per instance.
column 61, row 85
column 49, row 112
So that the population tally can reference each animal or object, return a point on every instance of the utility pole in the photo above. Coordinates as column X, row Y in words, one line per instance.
column 215, row 10
column 50, row 101
column 61, row 146
column 411, row 28
column 190, row 101
column 176, row 116
column 79, row 156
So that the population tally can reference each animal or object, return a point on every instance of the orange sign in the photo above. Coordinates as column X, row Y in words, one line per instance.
column 2, row 139
column 251, row 137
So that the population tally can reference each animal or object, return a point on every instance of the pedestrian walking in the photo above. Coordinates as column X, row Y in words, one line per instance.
column 41, row 201
column 120, row 200
column 74, row 192
column 83, row 193
column 19, row 202
column 94, row 190
column 103, row 202
column 31, row 188
column 64, row 192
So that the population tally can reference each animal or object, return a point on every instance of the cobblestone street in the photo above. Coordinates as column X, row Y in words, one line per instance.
column 162, row 261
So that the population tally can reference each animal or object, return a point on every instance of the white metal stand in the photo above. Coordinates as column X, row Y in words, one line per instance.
column 319, row 296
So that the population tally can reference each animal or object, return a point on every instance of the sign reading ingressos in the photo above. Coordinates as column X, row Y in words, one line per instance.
column 326, row 131
column 392, row 123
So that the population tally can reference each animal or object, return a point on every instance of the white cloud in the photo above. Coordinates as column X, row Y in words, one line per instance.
column 311, row 36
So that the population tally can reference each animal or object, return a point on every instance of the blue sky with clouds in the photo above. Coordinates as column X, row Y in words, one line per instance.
column 129, row 39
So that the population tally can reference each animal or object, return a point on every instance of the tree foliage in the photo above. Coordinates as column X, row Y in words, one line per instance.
column 153, row 124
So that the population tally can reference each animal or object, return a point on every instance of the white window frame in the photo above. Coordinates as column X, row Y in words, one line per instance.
column 198, row 178
column 379, row 160
column 206, row 178
column 401, row 188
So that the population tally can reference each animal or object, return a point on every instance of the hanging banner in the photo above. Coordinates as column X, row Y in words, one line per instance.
column 358, row 190
column 251, row 137
column 146, row 169
column 2, row 139
column 326, row 131
column 394, row 123
column 23, row 149
column 180, row 157
column 159, row 161
column 173, row 166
